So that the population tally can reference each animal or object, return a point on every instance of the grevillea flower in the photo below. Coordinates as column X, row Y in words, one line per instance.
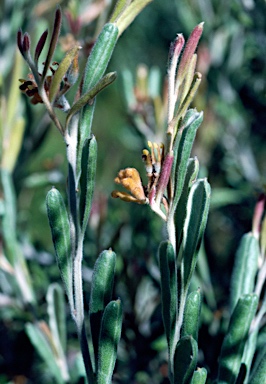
column 182, row 85
column 130, row 179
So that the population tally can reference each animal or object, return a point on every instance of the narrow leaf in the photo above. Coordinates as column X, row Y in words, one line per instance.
column 95, row 68
column 119, row 8
column 45, row 350
column 130, row 13
column 9, row 216
column 235, row 339
column 259, row 374
column 190, row 326
column 188, row 131
column 101, row 292
column 59, row 224
column 168, row 288
column 53, row 41
column 246, row 260
column 57, row 314
column 11, row 152
column 109, row 338
column 39, row 46
column 99, row 57
column 87, row 180
column 249, row 352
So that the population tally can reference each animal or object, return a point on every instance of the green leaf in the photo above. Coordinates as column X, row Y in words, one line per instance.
column 168, row 289
column 87, row 180
column 11, row 152
column 13, row 253
column 95, row 68
column 199, row 376
column 60, row 72
column 259, row 372
column 59, row 224
column 185, row 359
column 197, row 213
column 40, row 342
column 246, row 260
column 235, row 339
column 182, row 150
column 119, row 8
column 108, row 342
column 101, row 293
column 130, row 13
column 57, row 314
column 57, row 323
column 99, row 56
column 77, row 369
column 249, row 351
column 190, row 326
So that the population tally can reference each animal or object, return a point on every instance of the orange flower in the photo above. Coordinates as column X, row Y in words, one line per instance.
column 130, row 179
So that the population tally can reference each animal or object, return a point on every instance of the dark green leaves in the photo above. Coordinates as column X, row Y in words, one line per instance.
column 234, row 342
column 108, row 341
column 101, row 292
column 182, row 151
column 168, row 288
column 59, row 224
column 87, row 180
column 185, row 360
column 192, row 315
column 94, row 71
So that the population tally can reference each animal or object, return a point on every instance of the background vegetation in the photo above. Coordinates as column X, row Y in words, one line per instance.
column 230, row 145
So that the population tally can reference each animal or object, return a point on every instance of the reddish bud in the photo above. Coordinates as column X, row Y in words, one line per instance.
column 190, row 48
column 164, row 176
column 26, row 43
column 176, row 47
column 40, row 45
column 19, row 41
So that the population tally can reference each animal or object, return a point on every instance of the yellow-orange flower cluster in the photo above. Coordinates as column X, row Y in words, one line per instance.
column 130, row 179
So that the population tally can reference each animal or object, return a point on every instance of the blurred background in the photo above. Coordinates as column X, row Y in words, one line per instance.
column 230, row 146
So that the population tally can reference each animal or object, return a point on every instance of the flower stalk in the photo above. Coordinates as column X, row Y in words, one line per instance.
column 174, row 193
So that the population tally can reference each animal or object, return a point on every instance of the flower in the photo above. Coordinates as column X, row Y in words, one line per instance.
column 130, row 179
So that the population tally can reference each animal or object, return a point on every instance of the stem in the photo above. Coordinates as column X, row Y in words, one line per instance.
column 77, row 238
column 86, row 355
column 171, row 231
column 261, row 279
column 78, row 291
column 50, row 110
column 178, row 325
